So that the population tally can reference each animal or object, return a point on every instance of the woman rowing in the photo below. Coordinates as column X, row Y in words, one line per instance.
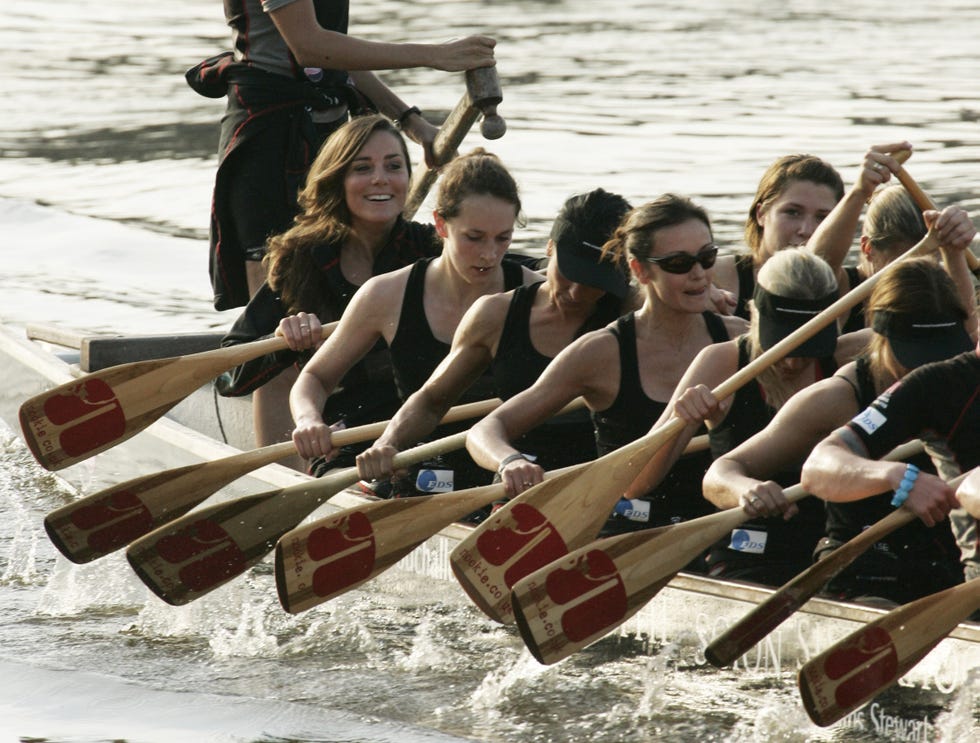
column 349, row 228
column 416, row 309
column 794, row 195
column 627, row 371
column 917, row 318
column 892, row 225
column 517, row 334
column 938, row 403
column 793, row 286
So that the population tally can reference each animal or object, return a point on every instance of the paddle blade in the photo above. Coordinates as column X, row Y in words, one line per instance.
column 322, row 560
column 856, row 669
column 205, row 549
column 578, row 599
column 81, row 418
column 544, row 523
column 108, row 520
column 103, row 522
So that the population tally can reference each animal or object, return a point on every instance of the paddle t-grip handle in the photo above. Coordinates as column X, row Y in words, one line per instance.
column 483, row 88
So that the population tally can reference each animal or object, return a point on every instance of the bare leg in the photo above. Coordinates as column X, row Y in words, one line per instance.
column 270, row 414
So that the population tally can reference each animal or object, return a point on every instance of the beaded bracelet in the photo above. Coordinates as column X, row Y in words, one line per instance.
column 507, row 460
column 905, row 487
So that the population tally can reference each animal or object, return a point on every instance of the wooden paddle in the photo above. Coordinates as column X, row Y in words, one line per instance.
column 79, row 419
column 105, row 521
column 558, row 515
column 576, row 600
column 321, row 560
column 481, row 97
column 866, row 662
column 202, row 550
column 923, row 201
column 768, row 615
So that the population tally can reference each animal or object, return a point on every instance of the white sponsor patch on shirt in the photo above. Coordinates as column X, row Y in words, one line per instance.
column 748, row 540
column 435, row 481
column 870, row 420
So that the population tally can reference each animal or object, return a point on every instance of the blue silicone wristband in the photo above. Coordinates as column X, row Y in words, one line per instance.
column 905, row 487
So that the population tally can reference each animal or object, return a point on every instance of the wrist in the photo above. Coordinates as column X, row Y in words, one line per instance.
column 507, row 460
column 905, row 486
column 403, row 118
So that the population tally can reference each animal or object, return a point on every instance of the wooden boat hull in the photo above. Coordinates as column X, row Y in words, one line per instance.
column 686, row 616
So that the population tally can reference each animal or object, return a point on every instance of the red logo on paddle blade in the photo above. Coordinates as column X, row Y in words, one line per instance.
column 525, row 542
column 348, row 549
column 115, row 520
column 86, row 398
column 595, row 591
column 218, row 557
column 867, row 664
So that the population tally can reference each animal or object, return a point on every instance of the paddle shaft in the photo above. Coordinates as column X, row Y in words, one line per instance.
column 319, row 561
column 78, row 419
column 567, row 512
column 481, row 97
column 858, row 667
column 110, row 519
column 924, row 203
column 204, row 549
column 558, row 606
column 768, row 615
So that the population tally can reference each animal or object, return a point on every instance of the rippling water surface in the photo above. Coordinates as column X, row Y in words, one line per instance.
column 106, row 163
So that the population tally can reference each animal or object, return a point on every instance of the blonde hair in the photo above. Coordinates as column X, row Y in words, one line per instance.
column 916, row 286
column 893, row 223
column 794, row 273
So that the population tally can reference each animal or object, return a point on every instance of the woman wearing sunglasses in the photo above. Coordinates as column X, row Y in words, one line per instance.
column 627, row 371
column 794, row 196
column 793, row 286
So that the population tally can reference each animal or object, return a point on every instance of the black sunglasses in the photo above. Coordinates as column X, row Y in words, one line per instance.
column 681, row 262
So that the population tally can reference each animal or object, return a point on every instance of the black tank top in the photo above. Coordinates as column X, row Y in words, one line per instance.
column 788, row 545
column 415, row 352
column 632, row 414
column 745, row 270
column 750, row 412
column 855, row 321
column 566, row 439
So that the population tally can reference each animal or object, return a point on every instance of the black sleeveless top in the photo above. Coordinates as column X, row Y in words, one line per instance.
column 856, row 320
column 788, row 544
column 415, row 352
column 745, row 270
column 566, row 439
column 632, row 414
column 750, row 412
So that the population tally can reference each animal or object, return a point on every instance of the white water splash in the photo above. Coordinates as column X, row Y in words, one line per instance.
column 493, row 691
column 74, row 589
column 962, row 721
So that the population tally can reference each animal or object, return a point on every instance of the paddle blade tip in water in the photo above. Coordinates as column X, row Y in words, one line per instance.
column 527, row 633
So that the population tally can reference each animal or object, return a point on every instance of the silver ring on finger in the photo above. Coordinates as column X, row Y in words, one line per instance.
column 877, row 166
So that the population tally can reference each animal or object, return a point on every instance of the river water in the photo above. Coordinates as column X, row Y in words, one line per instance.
column 106, row 164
